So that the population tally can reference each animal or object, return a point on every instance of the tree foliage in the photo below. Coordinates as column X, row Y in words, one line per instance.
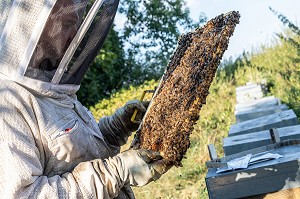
column 107, row 72
column 152, row 30
column 150, row 36
column 292, row 27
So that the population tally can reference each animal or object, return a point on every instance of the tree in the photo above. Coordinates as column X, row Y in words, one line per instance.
column 107, row 72
column 152, row 30
column 150, row 36
column 293, row 27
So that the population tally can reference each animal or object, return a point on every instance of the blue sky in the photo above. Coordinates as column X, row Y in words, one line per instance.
column 257, row 22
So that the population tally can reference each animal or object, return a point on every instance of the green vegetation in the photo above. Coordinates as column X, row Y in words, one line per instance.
column 107, row 72
column 118, row 99
column 152, row 29
column 275, row 64
column 127, row 56
column 278, row 65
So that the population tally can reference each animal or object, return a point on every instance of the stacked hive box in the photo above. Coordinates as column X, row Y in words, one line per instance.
column 255, row 116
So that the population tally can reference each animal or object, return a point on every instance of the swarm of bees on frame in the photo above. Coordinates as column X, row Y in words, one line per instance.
column 176, row 106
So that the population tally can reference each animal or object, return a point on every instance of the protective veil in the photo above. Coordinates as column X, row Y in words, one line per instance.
column 50, row 145
column 52, row 41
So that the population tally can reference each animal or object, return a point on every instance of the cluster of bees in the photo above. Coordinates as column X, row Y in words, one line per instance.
column 176, row 106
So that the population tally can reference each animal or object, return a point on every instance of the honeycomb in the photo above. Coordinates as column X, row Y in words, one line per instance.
column 184, row 87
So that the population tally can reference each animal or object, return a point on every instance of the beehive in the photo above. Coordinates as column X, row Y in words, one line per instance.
column 184, row 88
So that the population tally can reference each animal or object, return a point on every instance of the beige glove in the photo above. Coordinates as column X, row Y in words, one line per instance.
column 144, row 166
column 105, row 178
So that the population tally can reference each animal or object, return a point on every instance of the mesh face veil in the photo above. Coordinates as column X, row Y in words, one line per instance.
column 52, row 41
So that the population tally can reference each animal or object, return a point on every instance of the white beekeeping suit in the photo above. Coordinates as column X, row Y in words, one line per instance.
column 50, row 145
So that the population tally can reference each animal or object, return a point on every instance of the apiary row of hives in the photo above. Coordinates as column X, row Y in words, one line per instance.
column 266, row 132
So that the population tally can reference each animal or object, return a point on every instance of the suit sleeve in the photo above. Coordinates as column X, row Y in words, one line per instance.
column 22, row 163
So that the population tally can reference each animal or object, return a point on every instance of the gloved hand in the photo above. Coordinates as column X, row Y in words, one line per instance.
column 143, row 165
column 125, row 113
column 131, row 167
column 117, row 127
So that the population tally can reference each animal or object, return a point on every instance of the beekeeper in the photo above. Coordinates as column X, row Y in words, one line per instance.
column 50, row 145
